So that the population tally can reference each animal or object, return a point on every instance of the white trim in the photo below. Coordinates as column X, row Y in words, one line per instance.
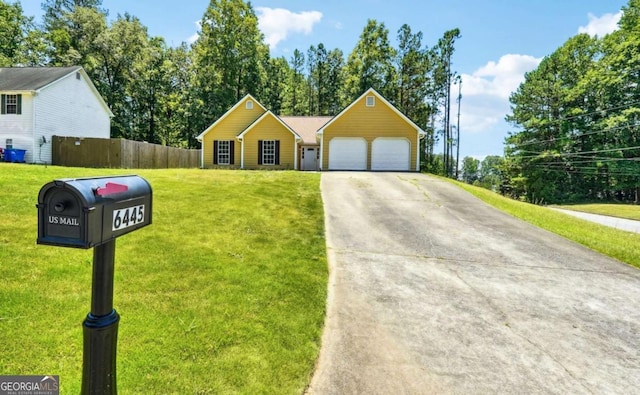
column 373, row 101
column 228, row 151
column 371, row 91
column 321, row 150
column 200, row 137
column 418, row 154
column 266, row 114
column 6, row 103
column 202, row 157
column 272, row 156
column 241, row 152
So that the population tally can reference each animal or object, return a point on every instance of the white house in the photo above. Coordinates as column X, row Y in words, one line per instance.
column 40, row 102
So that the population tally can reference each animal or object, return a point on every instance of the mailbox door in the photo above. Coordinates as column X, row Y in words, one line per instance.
column 63, row 219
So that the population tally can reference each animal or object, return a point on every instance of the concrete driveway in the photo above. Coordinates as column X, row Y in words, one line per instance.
column 433, row 291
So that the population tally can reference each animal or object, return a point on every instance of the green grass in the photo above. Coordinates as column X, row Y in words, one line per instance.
column 627, row 211
column 224, row 293
column 618, row 244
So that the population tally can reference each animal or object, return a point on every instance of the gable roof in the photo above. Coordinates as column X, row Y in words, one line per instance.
column 263, row 116
column 31, row 78
column 226, row 114
column 383, row 100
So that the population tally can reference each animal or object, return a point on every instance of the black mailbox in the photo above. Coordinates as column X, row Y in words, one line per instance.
column 86, row 212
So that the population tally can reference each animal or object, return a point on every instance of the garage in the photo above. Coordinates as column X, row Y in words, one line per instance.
column 391, row 153
column 348, row 153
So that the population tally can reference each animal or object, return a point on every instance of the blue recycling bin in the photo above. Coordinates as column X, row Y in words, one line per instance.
column 14, row 155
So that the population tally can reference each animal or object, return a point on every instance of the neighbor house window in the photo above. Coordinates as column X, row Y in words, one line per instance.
column 11, row 104
column 269, row 152
column 371, row 101
column 249, row 105
column 223, row 152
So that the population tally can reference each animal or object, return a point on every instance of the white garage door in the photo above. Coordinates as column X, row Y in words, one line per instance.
column 348, row 153
column 390, row 153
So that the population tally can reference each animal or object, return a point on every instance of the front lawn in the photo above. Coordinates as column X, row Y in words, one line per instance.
column 224, row 293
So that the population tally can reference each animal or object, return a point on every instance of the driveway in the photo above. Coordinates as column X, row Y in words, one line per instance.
column 433, row 291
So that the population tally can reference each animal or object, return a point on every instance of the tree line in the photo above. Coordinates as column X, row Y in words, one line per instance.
column 168, row 95
column 578, row 121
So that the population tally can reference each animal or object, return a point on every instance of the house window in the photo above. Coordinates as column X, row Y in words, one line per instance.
column 249, row 105
column 370, row 101
column 11, row 104
column 268, row 152
column 223, row 152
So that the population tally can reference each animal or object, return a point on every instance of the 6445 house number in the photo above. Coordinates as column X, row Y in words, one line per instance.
column 126, row 217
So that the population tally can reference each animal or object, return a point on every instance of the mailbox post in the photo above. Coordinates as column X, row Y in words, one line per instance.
column 86, row 213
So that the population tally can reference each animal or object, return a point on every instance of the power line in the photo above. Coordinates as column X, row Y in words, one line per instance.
column 564, row 154
column 606, row 110
column 593, row 171
column 576, row 136
column 600, row 159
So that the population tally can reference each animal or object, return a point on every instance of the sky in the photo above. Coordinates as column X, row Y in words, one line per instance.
column 500, row 40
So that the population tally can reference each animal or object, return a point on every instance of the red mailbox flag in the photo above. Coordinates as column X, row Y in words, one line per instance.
column 111, row 188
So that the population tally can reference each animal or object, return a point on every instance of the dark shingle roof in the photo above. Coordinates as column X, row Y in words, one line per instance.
column 31, row 78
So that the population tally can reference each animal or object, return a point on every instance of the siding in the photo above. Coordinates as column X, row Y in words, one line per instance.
column 269, row 129
column 370, row 122
column 19, row 127
column 227, row 128
column 68, row 107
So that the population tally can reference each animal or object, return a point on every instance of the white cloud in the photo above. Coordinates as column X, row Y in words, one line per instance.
column 499, row 78
column 193, row 38
column 278, row 23
column 601, row 26
column 485, row 93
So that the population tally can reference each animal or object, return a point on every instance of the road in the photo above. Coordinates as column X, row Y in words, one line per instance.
column 433, row 291
column 628, row 225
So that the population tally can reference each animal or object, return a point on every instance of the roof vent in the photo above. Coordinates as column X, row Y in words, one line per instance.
column 371, row 101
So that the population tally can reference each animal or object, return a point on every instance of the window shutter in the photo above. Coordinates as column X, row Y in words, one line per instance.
column 277, row 152
column 259, row 152
column 215, row 152
column 3, row 109
column 19, row 105
column 231, row 152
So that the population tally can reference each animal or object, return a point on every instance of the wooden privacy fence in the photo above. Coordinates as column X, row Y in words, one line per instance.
column 120, row 153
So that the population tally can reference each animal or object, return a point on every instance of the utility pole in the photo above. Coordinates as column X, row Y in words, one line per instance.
column 458, row 126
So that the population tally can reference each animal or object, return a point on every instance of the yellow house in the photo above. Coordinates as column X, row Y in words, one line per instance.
column 248, row 136
column 370, row 134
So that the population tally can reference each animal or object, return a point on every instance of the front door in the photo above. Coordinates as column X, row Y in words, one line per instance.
column 310, row 158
